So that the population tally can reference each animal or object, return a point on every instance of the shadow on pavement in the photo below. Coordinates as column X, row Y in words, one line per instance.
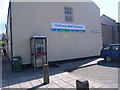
column 10, row 78
column 104, row 63
column 34, row 88
column 114, row 64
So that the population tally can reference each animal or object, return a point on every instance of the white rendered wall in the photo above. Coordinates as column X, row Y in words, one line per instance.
column 31, row 19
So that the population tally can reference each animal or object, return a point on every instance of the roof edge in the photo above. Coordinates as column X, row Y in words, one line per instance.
column 107, row 17
column 95, row 4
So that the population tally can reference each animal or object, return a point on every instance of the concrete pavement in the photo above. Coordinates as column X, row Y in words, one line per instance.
column 33, row 79
column 100, row 71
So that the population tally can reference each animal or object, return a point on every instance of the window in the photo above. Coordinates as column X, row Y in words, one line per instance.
column 115, row 48
column 68, row 14
column 107, row 48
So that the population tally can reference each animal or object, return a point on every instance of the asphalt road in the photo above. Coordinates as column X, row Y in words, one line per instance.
column 100, row 71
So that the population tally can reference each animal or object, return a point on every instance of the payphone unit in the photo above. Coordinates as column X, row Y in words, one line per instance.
column 38, row 51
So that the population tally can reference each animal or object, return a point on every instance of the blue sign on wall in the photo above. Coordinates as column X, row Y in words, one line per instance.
column 67, row 27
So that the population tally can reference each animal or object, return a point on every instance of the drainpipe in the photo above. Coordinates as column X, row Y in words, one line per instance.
column 11, row 30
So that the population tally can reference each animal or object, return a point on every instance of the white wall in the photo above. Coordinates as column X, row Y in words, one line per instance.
column 9, row 38
column 31, row 19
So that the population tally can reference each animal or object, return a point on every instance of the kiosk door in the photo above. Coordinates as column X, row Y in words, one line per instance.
column 39, row 51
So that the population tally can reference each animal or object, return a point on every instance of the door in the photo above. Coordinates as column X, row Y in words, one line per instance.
column 40, row 52
column 105, row 51
column 115, row 51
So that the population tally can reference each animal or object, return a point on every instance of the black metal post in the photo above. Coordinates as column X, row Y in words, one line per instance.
column 84, row 85
column 46, row 73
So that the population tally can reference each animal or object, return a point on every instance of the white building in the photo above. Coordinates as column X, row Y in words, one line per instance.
column 81, row 21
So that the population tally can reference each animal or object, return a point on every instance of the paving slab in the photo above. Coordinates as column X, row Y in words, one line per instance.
column 35, row 83
column 96, row 85
column 70, row 86
column 58, row 81
column 72, row 82
column 26, row 85
column 53, row 86
column 63, row 85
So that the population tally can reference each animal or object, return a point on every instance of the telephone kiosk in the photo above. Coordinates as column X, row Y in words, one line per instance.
column 38, row 50
column 38, row 46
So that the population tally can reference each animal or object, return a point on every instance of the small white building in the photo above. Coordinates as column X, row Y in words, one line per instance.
column 73, row 29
